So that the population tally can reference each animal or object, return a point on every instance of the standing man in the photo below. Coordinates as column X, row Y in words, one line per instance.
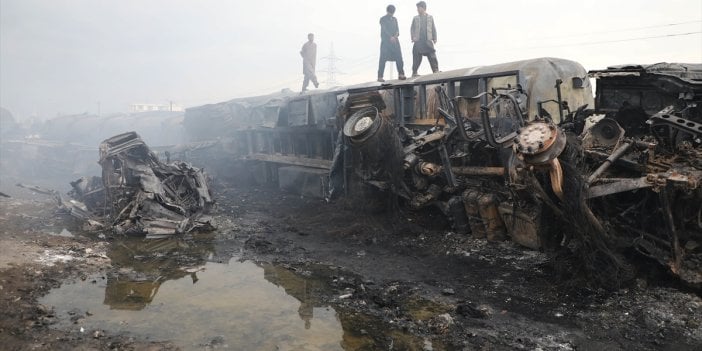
column 309, row 61
column 389, row 44
column 424, row 37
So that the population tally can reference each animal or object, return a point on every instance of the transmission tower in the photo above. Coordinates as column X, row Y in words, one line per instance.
column 331, row 70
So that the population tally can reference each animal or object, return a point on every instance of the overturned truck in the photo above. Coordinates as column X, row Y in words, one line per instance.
column 519, row 151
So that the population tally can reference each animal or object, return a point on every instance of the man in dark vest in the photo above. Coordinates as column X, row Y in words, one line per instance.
column 424, row 37
column 389, row 44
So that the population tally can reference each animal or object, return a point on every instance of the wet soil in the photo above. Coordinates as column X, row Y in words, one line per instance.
column 397, row 280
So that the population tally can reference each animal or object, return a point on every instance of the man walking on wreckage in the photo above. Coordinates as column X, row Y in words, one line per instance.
column 309, row 60
column 424, row 37
column 389, row 44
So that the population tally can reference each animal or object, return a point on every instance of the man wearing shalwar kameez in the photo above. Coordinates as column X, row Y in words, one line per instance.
column 309, row 61
column 389, row 44
column 424, row 37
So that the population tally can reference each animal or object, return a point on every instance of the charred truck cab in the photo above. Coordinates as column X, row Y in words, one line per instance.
column 514, row 151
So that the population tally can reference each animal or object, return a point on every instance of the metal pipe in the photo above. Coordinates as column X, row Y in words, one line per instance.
column 487, row 127
column 608, row 162
column 461, row 127
column 621, row 162
column 560, row 101
column 670, row 222
column 459, row 124
column 456, row 117
column 446, row 161
column 517, row 109
column 619, row 186
column 479, row 171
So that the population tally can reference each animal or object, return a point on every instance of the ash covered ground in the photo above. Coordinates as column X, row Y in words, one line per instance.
column 401, row 281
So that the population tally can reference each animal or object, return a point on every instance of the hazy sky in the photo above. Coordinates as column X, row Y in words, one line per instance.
column 68, row 56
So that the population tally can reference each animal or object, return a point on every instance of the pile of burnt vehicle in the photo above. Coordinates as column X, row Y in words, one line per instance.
column 519, row 151
column 138, row 194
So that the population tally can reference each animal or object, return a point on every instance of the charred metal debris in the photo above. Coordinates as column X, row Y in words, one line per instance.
column 518, row 151
column 140, row 195
column 623, row 176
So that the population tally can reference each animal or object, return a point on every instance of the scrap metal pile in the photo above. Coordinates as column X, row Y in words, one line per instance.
column 140, row 195
column 610, row 182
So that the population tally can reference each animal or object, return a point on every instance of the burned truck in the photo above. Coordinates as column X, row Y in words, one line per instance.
column 648, row 150
column 519, row 151
column 139, row 194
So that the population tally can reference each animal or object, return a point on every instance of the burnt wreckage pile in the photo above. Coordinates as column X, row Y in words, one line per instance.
column 624, row 177
column 140, row 195
column 520, row 150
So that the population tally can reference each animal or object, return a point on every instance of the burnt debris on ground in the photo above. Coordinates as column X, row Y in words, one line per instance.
column 140, row 195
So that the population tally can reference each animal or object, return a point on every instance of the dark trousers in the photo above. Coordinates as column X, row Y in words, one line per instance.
column 417, row 60
column 398, row 63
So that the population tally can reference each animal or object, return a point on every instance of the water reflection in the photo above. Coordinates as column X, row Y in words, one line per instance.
column 178, row 291
column 296, row 286
column 145, row 264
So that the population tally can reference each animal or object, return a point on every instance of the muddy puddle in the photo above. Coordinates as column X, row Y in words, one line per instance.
column 183, row 292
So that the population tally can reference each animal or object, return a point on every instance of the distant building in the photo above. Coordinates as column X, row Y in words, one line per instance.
column 154, row 107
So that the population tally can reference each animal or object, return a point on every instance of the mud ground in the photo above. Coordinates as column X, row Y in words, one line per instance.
column 403, row 281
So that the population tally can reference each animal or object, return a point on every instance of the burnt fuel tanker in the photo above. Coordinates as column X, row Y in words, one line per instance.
column 521, row 151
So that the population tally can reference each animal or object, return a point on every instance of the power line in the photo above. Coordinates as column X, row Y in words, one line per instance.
column 621, row 30
column 634, row 39
column 581, row 43
column 599, row 32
